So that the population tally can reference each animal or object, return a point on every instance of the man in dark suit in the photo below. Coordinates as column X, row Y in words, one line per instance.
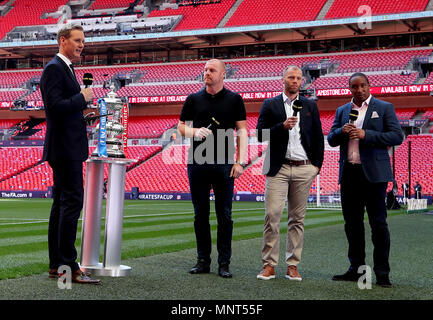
column 65, row 149
column 365, row 171
column 417, row 188
column 293, row 159
column 405, row 188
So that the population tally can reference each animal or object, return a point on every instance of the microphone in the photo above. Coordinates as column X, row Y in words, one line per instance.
column 213, row 123
column 297, row 107
column 87, row 79
column 353, row 115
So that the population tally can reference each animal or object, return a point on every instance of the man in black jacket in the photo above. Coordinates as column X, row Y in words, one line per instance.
column 294, row 158
column 65, row 149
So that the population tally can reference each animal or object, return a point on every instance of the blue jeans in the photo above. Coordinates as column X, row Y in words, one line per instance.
column 201, row 179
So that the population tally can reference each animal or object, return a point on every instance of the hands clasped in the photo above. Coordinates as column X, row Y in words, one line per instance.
column 352, row 131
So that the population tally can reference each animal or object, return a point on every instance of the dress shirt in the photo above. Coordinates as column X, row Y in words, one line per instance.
column 295, row 150
column 353, row 155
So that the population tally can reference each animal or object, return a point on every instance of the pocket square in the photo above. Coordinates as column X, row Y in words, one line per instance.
column 374, row 115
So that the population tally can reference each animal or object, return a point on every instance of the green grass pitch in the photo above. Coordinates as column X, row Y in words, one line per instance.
column 163, row 231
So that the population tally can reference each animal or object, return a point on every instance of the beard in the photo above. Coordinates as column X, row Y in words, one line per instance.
column 291, row 89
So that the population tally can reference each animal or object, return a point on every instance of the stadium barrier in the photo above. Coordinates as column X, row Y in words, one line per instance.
column 416, row 205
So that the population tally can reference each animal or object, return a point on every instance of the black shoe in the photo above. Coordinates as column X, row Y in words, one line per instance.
column 202, row 266
column 223, row 271
column 383, row 281
column 350, row 275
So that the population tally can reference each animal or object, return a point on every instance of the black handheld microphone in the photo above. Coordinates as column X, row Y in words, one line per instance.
column 214, row 123
column 353, row 115
column 87, row 79
column 297, row 107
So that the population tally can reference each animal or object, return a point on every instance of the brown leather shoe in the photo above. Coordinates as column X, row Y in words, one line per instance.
column 84, row 278
column 53, row 274
column 267, row 273
column 293, row 274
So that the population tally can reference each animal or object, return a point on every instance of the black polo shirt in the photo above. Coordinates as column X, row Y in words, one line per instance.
column 226, row 107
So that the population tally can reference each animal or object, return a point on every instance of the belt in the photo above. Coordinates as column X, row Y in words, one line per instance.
column 296, row 162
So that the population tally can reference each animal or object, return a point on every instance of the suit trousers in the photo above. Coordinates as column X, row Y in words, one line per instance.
column 203, row 178
column 292, row 183
column 67, row 204
column 358, row 194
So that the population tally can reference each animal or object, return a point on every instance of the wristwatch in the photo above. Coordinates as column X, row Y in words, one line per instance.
column 243, row 164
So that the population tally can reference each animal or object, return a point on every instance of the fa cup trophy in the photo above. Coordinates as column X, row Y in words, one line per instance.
column 110, row 128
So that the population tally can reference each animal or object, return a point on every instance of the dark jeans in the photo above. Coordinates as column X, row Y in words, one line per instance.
column 65, row 212
column 357, row 193
column 201, row 179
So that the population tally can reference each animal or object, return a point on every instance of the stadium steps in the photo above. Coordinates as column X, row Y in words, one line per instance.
column 230, row 13
column 429, row 6
column 420, row 80
column 21, row 170
column 325, row 9
column 142, row 160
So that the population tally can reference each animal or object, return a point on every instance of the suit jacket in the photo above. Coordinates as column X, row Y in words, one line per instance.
column 272, row 115
column 381, row 132
column 66, row 137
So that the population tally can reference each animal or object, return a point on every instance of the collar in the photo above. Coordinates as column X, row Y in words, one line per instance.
column 219, row 93
column 65, row 59
column 285, row 98
column 365, row 103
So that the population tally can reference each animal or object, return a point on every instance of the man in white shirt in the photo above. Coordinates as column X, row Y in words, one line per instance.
column 365, row 171
column 293, row 159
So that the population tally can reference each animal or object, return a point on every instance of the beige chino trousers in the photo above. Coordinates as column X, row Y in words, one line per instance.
column 292, row 183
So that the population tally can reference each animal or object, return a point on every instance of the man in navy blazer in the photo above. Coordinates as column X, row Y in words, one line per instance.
column 65, row 149
column 293, row 159
column 365, row 171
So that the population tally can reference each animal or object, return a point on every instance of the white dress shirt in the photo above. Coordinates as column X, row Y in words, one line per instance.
column 295, row 150
column 67, row 61
column 353, row 155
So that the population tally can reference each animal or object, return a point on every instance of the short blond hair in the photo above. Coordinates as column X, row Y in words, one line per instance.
column 66, row 30
column 291, row 67
column 220, row 62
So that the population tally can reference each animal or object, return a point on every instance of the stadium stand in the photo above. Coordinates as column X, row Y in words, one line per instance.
column 9, row 123
column 377, row 61
column 197, row 17
column 33, row 14
column 171, row 72
column 150, row 126
column 376, row 80
column 11, row 95
column 428, row 115
column 327, row 119
column 252, row 12
column 164, row 170
column 429, row 79
column 105, row 4
column 349, row 8
column 405, row 114
column 16, row 79
column 422, row 162
column 388, row 68
column 14, row 160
